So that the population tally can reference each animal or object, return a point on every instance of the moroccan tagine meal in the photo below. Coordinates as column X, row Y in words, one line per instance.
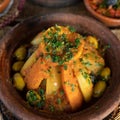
column 60, row 70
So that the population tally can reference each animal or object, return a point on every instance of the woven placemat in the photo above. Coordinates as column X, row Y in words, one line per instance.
column 12, row 13
column 7, row 115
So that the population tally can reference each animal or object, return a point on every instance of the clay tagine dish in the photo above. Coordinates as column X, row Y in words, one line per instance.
column 60, row 67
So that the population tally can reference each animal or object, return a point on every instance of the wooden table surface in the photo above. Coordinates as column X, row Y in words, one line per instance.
column 31, row 10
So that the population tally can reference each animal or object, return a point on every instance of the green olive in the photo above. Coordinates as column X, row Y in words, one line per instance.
column 93, row 41
column 17, row 66
column 33, row 97
column 20, row 53
column 99, row 88
column 18, row 81
column 106, row 73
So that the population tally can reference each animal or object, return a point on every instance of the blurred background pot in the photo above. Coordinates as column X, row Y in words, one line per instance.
column 108, row 21
column 55, row 3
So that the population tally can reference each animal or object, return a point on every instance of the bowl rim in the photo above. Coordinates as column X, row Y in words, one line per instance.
column 99, row 16
column 74, row 115
column 55, row 3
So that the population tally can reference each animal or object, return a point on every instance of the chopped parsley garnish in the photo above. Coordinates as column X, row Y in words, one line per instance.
column 103, row 4
column 61, row 92
column 77, row 42
column 86, row 63
column 85, row 75
column 106, row 47
column 55, row 58
column 59, row 48
column 57, row 28
column 73, row 86
column 63, row 38
column 41, row 92
column 50, row 33
column 72, row 29
column 46, row 40
column 99, row 64
column 47, row 56
column 51, row 108
column 65, row 67
column 59, row 101
column 41, row 104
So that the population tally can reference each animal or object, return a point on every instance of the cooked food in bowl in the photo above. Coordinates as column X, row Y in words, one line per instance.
column 108, row 8
column 5, row 6
column 60, row 70
column 23, row 103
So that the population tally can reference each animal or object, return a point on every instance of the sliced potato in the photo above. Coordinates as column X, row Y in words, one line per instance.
column 85, row 84
column 32, row 59
column 53, row 81
column 92, row 60
column 37, row 39
column 84, row 80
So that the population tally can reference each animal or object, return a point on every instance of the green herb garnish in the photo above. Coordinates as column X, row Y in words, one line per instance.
column 77, row 42
column 51, row 108
column 59, row 101
column 72, row 29
column 65, row 67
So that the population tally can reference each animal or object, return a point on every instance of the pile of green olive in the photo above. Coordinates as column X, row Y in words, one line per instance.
column 19, row 55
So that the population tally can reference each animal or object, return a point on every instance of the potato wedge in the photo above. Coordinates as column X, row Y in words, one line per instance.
column 53, row 81
column 84, row 80
column 37, row 39
column 29, row 63
column 92, row 60
column 33, row 58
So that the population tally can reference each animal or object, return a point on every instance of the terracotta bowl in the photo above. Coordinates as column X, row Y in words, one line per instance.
column 24, row 32
column 110, row 22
